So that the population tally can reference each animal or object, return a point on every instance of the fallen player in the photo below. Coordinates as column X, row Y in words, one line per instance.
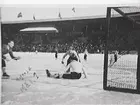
column 74, row 70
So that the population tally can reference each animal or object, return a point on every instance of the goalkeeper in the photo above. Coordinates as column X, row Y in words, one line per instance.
column 114, row 58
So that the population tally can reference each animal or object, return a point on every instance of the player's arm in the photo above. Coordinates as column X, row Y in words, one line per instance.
column 4, row 48
column 65, row 56
column 12, row 56
column 84, row 72
column 3, row 57
column 78, row 57
column 68, row 68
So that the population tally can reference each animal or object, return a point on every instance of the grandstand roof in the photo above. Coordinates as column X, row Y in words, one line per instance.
column 66, row 14
column 80, row 24
column 12, row 15
column 54, row 19
column 39, row 29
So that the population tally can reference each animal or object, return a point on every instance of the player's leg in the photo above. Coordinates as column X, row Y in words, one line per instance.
column 115, row 58
column 72, row 75
column 76, row 75
column 56, row 75
column 4, row 69
column 67, row 76
column 85, row 56
column 110, row 61
column 55, row 55
column 48, row 73
column 36, row 51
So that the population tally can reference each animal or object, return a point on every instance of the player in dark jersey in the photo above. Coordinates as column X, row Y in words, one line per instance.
column 7, row 48
column 113, row 58
column 74, row 70
column 85, row 54
column 56, row 53
column 70, row 52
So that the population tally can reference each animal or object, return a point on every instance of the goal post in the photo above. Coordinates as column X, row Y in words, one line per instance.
column 122, row 50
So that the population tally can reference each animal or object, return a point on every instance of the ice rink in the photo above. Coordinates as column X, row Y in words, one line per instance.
column 48, row 91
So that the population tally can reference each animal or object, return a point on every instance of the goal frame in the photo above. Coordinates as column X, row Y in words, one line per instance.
column 108, row 21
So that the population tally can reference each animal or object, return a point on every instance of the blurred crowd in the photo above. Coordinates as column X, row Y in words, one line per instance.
column 63, row 47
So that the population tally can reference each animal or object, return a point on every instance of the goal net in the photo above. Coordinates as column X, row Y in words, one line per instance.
column 122, row 47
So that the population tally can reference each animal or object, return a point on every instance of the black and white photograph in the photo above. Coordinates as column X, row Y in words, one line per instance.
column 70, row 54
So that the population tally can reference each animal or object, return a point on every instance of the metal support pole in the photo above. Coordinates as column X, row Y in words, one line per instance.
column 106, row 49
column 138, row 71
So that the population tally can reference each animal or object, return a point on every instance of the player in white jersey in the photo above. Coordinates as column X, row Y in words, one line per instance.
column 70, row 52
column 74, row 70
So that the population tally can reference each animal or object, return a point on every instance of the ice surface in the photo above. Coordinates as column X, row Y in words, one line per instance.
column 48, row 91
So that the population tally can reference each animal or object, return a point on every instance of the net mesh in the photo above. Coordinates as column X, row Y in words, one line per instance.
column 122, row 73
column 129, row 9
column 122, row 50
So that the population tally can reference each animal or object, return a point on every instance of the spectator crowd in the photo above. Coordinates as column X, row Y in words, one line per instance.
column 63, row 47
